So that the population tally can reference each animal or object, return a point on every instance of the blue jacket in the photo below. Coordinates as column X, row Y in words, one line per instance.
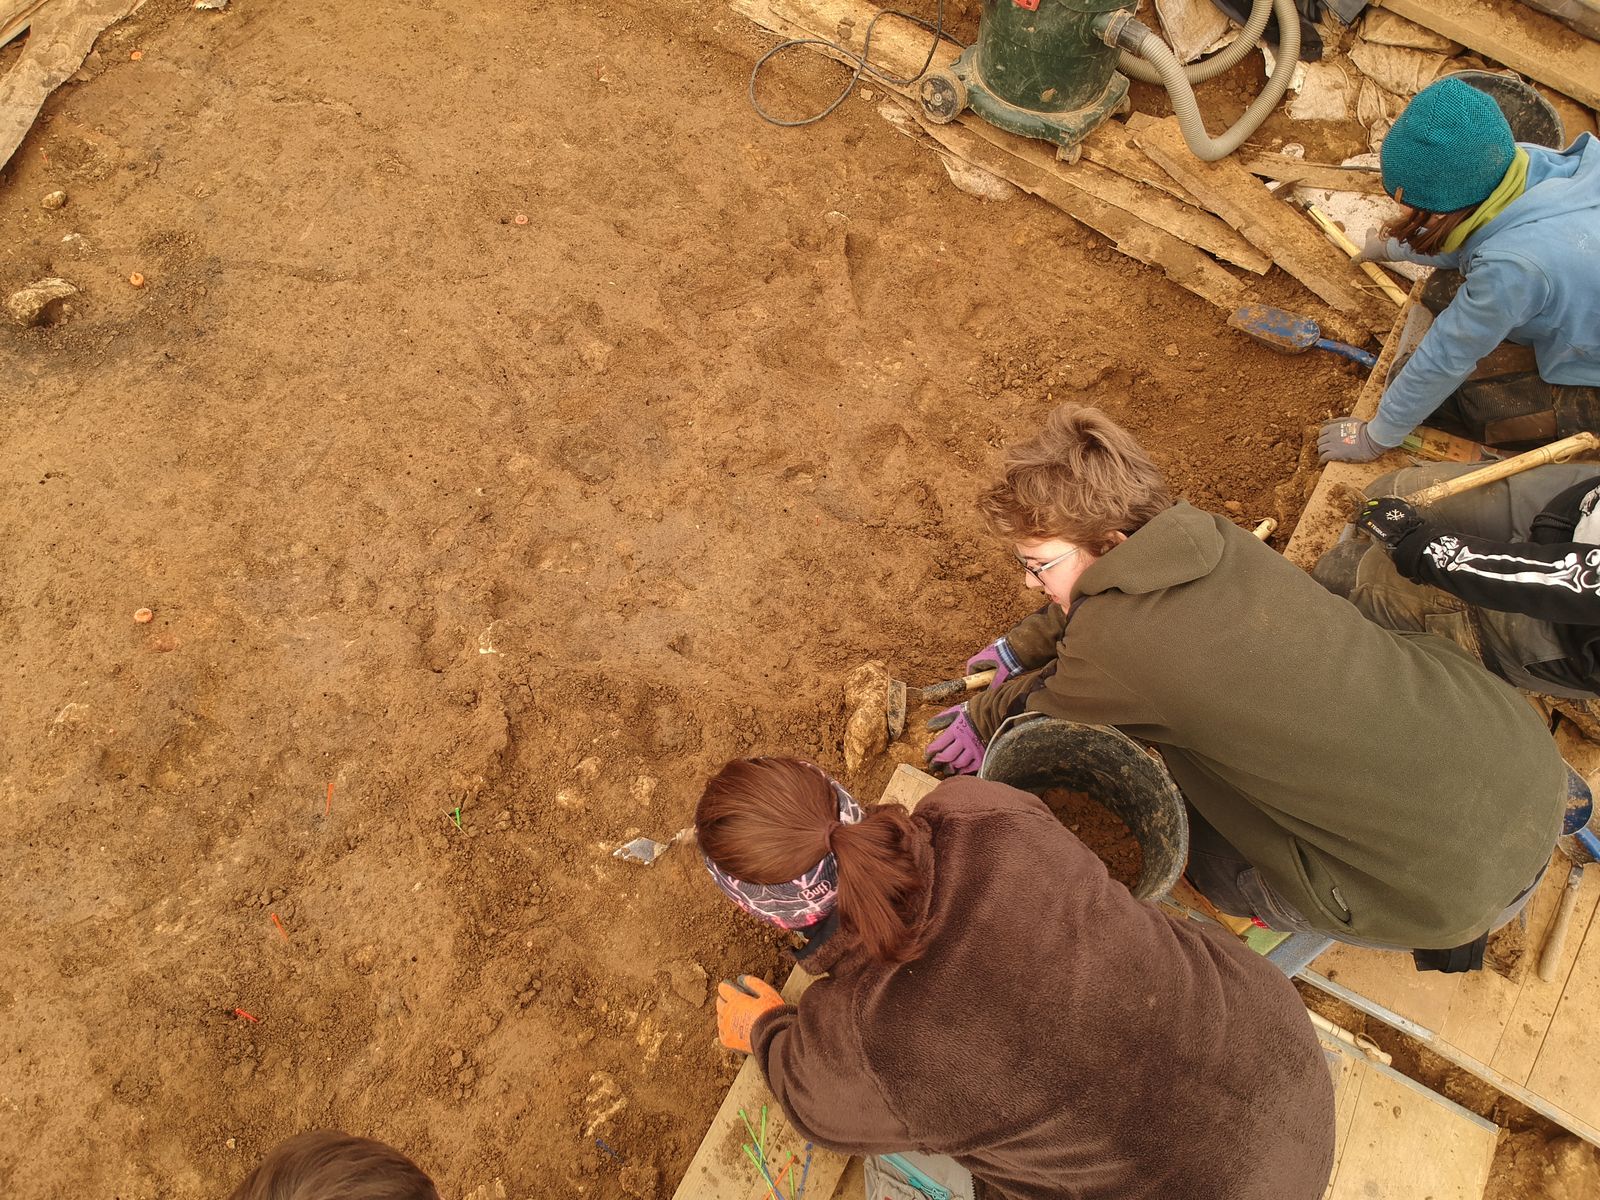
column 1533, row 277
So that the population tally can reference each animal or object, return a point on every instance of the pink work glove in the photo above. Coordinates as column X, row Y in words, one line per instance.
column 958, row 749
column 996, row 654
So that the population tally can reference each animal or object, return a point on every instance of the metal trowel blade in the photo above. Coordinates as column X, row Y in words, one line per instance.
column 895, row 708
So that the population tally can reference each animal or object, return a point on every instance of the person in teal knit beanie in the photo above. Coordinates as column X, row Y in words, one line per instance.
column 1521, row 225
column 1449, row 149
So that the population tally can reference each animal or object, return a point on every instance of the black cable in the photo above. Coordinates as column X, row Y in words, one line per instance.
column 860, row 60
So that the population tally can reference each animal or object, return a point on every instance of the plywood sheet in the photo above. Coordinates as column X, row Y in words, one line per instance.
column 1399, row 1141
column 1567, row 1069
column 1329, row 509
column 1523, row 1033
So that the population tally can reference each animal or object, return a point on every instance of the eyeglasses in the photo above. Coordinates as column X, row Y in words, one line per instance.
column 1038, row 572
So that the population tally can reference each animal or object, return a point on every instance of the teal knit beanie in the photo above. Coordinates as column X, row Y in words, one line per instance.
column 1449, row 149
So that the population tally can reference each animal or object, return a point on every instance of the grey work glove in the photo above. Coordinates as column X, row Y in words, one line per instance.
column 1347, row 440
column 1374, row 249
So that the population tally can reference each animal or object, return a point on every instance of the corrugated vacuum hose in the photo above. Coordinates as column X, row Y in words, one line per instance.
column 1147, row 58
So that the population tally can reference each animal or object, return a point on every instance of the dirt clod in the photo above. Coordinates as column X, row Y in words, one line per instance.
column 1100, row 830
column 40, row 302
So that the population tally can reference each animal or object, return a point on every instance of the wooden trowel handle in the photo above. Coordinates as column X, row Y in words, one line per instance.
column 1555, row 943
column 1555, row 452
column 951, row 688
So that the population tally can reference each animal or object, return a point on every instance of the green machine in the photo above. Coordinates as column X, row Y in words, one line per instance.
column 1056, row 69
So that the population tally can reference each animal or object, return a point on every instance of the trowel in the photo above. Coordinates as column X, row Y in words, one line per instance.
column 646, row 850
column 1580, row 847
column 1288, row 334
column 937, row 693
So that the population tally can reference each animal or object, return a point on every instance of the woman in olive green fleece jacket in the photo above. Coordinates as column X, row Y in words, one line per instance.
column 1383, row 788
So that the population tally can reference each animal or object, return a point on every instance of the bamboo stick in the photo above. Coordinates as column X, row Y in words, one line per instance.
column 1337, row 236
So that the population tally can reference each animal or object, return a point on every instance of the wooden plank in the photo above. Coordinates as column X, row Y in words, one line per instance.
column 1404, row 1142
column 1283, row 169
column 1528, row 1026
column 16, row 16
column 720, row 1170
column 1536, row 45
column 1193, row 225
column 907, row 786
column 1390, row 978
column 1111, row 146
column 1568, row 1067
column 1327, row 512
column 1152, row 227
column 61, row 37
column 852, row 1184
column 1267, row 222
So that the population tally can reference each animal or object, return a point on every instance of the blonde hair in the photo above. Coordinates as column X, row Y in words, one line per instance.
column 1081, row 478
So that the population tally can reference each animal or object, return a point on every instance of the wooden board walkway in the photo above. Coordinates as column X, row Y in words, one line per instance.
column 1397, row 1140
column 1537, row 1042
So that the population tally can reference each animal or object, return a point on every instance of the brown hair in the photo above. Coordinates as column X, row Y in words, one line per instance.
column 328, row 1165
column 1081, row 478
column 770, row 820
column 1425, row 232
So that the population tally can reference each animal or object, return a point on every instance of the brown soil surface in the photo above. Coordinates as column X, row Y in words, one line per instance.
column 1100, row 830
column 531, row 524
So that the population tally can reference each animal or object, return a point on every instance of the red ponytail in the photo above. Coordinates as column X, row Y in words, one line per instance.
column 770, row 820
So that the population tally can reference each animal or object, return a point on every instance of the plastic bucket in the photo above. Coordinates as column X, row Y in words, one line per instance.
column 1111, row 769
column 1532, row 118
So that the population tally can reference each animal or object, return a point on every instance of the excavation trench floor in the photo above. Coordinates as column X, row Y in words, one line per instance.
column 447, row 516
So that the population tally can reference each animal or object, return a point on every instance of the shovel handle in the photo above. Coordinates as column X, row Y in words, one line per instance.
column 951, row 688
column 1555, row 452
column 1556, row 942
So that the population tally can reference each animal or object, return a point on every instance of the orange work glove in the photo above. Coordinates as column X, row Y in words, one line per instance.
column 740, row 1002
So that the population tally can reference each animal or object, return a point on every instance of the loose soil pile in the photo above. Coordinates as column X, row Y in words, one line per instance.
column 1101, row 830
column 526, row 526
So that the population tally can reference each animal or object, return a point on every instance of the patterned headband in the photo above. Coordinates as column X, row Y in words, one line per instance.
column 800, row 902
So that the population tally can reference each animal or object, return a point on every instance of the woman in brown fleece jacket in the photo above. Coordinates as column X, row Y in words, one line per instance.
column 992, row 994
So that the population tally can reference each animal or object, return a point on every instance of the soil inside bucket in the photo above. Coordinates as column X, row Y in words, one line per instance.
column 1100, row 830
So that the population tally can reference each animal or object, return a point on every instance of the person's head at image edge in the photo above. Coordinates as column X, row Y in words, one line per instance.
column 791, row 847
column 1070, row 494
column 328, row 1165
column 1448, row 152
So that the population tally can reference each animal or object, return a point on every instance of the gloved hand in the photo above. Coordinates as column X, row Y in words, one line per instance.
column 1347, row 440
column 996, row 654
column 958, row 749
column 1374, row 249
column 740, row 1002
column 1388, row 519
